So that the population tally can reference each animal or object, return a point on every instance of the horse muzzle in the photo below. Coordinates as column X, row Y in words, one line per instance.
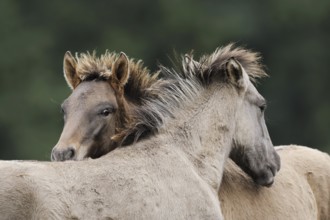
column 68, row 153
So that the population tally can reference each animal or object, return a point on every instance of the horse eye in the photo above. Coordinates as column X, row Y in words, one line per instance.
column 105, row 112
column 263, row 107
column 62, row 111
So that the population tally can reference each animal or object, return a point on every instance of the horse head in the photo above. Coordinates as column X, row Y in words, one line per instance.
column 256, row 155
column 96, row 108
column 252, row 148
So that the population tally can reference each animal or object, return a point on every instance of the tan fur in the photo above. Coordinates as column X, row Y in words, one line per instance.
column 316, row 169
column 301, row 190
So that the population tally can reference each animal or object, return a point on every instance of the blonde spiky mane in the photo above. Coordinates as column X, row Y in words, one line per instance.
column 250, row 61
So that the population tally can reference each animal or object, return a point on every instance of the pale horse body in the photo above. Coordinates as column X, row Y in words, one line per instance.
column 301, row 190
column 175, row 174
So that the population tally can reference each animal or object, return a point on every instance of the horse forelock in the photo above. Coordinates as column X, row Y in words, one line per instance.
column 91, row 67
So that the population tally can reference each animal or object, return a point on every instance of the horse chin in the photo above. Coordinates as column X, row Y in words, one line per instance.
column 266, row 179
column 261, row 172
column 269, row 183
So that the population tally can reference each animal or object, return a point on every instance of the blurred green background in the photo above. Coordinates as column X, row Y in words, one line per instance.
column 292, row 35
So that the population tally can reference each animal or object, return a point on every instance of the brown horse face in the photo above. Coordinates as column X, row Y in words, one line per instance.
column 89, row 122
column 93, row 109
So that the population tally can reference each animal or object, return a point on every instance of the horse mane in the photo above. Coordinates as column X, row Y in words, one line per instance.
column 91, row 67
column 209, row 64
column 179, row 86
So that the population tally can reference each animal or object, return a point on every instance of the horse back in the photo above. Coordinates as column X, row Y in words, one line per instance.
column 314, row 165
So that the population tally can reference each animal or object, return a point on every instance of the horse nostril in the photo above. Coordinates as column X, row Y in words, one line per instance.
column 69, row 153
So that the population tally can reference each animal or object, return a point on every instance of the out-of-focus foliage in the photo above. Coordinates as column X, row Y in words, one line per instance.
column 293, row 37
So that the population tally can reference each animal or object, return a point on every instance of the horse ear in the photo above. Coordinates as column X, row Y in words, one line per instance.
column 69, row 68
column 234, row 72
column 119, row 70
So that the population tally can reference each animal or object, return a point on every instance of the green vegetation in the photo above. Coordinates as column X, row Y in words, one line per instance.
column 293, row 37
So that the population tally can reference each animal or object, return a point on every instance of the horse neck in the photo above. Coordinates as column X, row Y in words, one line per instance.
column 204, row 132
